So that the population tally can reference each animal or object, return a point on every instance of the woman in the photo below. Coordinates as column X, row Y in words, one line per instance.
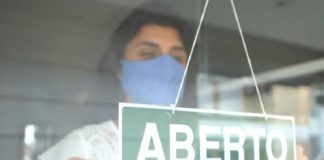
column 151, row 51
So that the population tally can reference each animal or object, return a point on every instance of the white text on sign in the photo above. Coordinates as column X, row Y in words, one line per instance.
column 151, row 136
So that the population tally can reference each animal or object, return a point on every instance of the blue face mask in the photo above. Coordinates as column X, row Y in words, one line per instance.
column 154, row 81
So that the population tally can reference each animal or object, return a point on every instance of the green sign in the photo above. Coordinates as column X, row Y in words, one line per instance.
column 155, row 133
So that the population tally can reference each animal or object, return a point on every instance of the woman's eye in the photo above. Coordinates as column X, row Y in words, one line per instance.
column 179, row 59
column 180, row 56
column 147, row 55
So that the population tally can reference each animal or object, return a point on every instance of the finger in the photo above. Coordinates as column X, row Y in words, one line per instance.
column 300, row 149
column 76, row 158
column 300, row 153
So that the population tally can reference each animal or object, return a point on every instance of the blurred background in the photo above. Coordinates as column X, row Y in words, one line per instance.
column 51, row 52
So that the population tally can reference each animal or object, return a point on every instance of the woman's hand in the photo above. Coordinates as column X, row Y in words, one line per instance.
column 76, row 158
column 300, row 153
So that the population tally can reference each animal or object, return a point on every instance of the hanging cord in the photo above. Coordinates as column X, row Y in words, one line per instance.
column 245, row 50
column 189, row 58
column 248, row 59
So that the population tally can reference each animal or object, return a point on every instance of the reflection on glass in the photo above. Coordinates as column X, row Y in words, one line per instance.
column 36, row 139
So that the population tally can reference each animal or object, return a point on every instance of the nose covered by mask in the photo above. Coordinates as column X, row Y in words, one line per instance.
column 155, row 81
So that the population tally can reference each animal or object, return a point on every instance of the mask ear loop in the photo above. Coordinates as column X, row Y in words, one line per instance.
column 189, row 58
column 248, row 59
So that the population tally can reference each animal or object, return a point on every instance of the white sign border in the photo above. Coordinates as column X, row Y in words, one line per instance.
column 122, row 105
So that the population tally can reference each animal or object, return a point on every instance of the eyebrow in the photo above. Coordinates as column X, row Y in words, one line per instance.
column 152, row 44
column 178, row 48
column 147, row 43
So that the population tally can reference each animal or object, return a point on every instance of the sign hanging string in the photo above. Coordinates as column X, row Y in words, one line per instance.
column 248, row 59
column 245, row 50
column 190, row 56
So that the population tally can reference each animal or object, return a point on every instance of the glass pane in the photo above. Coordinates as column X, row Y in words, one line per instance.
column 60, row 70
column 65, row 65
column 287, row 62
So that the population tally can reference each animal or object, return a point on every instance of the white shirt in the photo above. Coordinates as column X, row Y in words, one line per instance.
column 93, row 142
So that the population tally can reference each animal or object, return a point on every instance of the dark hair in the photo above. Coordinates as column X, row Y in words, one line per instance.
column 149, row 13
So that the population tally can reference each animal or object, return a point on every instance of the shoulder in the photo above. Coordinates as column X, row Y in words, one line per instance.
column 102, row 140
column 105, row 130
column 99, row 141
